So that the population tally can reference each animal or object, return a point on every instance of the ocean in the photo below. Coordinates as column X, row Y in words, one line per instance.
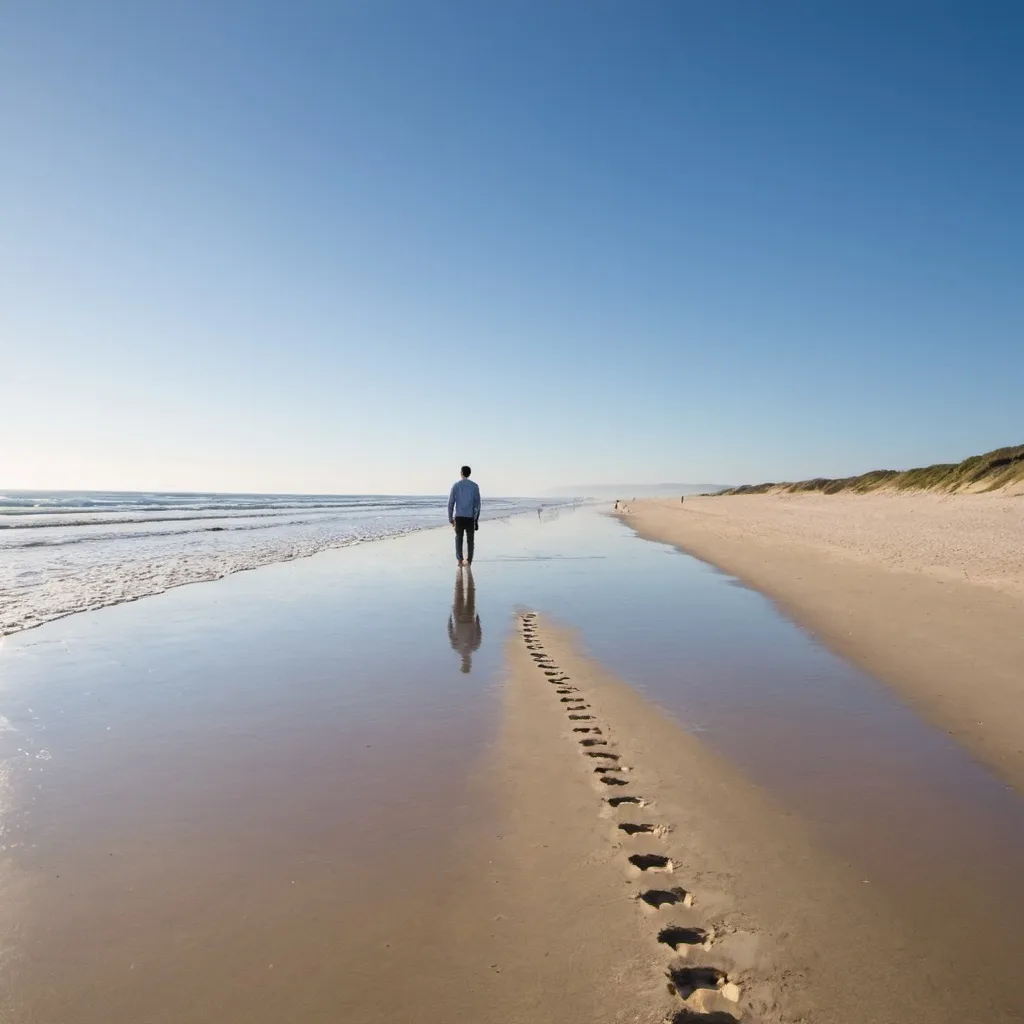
column 70, row 551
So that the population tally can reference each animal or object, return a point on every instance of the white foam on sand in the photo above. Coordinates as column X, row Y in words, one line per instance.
column 65, row 554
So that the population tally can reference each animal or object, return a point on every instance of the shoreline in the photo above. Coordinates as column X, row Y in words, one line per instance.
column 67, row 568
column 880, row 580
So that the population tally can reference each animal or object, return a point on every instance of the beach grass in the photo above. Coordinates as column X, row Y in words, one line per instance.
column 988, row 472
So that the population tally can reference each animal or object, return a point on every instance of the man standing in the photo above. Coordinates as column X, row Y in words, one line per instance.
column 464, row 513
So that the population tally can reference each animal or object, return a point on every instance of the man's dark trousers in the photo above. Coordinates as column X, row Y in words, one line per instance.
column 464, row 525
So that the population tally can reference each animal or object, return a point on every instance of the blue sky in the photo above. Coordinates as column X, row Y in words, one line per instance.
column 347, row 246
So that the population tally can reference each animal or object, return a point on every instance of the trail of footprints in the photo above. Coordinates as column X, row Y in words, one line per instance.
column 691, row 984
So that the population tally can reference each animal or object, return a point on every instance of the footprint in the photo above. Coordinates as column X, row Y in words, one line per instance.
column 684, row 981
column 658, row 898
column 610, row 780
column 581, row 718
column 578, row 707
column 633, row 830
column 570, row 700
column 651, row 862
column 602, row 753
column 603, row 769
column 693, row 1017
column 593, row 743
column 617, row 801
column 676, row 937
column 567, row 689
column 587, row 728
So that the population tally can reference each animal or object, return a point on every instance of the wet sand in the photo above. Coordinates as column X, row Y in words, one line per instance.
column 924, row 593
column 342, row 790
column 235, row 803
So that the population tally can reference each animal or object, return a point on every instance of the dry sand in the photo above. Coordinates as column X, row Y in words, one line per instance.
column 748, row 918
column 923, row 591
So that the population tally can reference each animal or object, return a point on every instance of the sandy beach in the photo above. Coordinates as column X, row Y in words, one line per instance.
column 601, row 784
column 926, row 592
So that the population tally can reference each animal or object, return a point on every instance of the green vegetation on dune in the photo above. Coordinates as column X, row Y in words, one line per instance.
column 986, row 472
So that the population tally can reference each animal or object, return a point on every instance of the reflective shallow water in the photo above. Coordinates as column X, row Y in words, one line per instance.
column 254, row 771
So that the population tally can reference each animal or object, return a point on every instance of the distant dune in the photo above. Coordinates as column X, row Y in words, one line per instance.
column 989, row 472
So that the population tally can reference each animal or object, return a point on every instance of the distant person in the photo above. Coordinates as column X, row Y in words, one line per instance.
column 465, row 633
column 464, row 514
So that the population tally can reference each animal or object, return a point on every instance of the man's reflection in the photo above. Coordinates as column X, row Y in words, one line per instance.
column 464, row 632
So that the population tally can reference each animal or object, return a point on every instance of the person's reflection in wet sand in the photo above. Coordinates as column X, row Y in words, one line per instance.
column 464, row 632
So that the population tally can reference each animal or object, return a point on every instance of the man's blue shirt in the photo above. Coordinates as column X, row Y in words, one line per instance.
column 464, row 500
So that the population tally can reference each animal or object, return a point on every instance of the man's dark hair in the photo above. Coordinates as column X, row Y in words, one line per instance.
column 466, row 471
